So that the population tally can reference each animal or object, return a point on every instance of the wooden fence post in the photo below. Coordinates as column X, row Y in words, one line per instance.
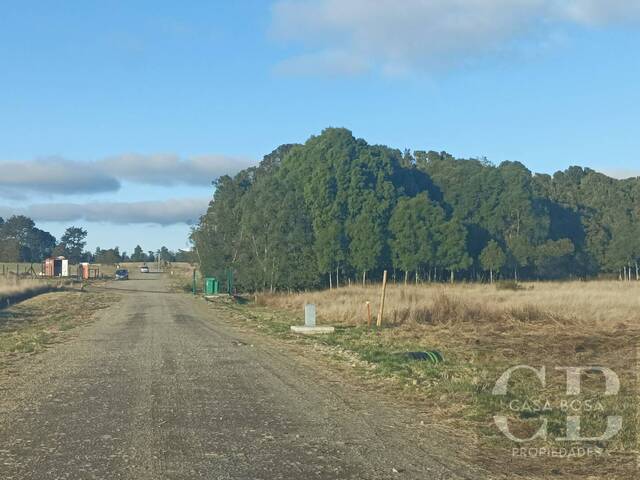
column 369, row 314
column 382, row 296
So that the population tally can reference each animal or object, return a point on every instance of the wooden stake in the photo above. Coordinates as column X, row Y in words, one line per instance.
column 369, row 314
column 384, row 291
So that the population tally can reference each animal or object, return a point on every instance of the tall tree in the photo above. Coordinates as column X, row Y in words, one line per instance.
column 73, row 242
column 18, row 227
column 366, row 241
column 41, row 244
column 416, row 226
column 452, row 252
column 23, row 242
column 493, row 258
column 138, row 254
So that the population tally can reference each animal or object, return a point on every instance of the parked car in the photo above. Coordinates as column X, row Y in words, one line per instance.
column 144, row 269
column 122, row 274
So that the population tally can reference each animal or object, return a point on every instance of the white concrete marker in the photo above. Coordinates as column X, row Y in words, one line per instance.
column 310, row 327
column 309, row 315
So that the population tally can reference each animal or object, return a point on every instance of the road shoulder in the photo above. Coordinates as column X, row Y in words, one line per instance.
column 397, row 415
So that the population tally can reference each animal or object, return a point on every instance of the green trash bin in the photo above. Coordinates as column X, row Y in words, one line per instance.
column 211, row 286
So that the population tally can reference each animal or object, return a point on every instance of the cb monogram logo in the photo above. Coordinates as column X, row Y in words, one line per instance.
column 573, row 388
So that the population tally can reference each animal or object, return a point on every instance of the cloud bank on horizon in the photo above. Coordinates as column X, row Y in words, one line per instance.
column 167, row 212
column 350, row 37
column 57, row 176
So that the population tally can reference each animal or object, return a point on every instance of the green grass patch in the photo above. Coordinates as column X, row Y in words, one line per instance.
column 383, row 349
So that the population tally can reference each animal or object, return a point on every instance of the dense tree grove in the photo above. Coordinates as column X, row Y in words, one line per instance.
column 21, row 241
column 337, row 209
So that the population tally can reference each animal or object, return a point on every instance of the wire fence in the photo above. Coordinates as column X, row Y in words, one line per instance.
column 34, row 270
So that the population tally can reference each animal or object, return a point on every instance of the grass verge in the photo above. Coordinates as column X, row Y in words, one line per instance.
column 33, row 325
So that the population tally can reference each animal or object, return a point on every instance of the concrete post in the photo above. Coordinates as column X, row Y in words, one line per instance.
column 310, row 315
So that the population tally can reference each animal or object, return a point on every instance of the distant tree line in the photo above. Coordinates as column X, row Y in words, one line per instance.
column 164, row 255
column 337, row 208
column 21, row 241
column 113, row 255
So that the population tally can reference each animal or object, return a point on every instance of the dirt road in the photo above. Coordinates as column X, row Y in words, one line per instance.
column 159, row 387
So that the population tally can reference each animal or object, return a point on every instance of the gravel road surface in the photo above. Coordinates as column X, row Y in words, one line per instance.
column 161, row 386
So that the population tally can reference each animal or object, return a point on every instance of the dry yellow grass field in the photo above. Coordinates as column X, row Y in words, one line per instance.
column 10, row 287
column 599, row 304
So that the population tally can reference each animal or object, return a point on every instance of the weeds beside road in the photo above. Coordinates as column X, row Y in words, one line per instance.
column 34, row 324
column 13, row 291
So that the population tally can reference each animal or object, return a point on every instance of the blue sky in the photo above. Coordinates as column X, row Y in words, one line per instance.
column 145, row 103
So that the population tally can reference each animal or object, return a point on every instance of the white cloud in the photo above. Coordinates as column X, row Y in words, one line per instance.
column 170, row 170
column 168, row 212
column 53, row 175
column 56, row 175
column 393, row 35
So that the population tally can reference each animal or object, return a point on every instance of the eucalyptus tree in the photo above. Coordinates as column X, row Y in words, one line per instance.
column 416, row 229
column 493, row 258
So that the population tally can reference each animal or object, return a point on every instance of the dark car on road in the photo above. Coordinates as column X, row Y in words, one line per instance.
column 122, row 274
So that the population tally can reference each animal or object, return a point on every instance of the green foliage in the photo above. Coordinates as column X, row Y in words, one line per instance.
column 109, row 256
column 138, row 254
column 73, row 242
column 339, row 206
column 21, row 241
column 452, row 253
column 493, row 258
column 553, row 258
column 366, row 237
column 417, row 228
